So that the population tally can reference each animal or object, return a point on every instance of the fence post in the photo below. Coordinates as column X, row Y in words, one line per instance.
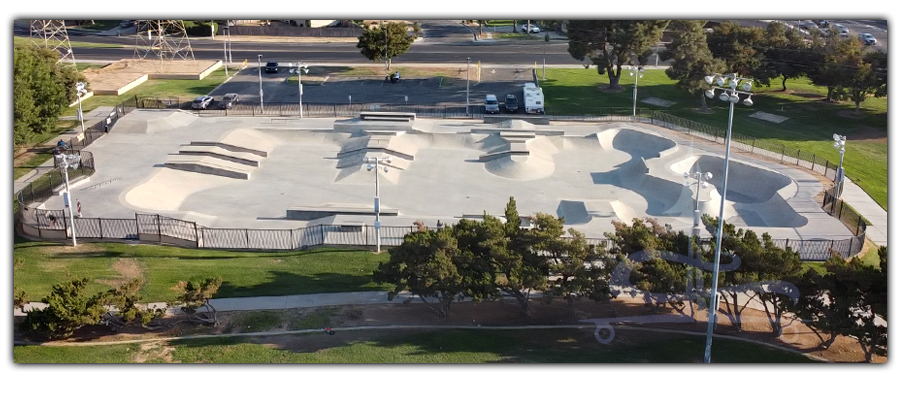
column 334, row 109
column 292, row 239
column 196, row 235
column 100, row 224
column 159, row 228
column 798, row 157
column 814, row 162
column 782, row 153
column 247, row 235
column 65, row 222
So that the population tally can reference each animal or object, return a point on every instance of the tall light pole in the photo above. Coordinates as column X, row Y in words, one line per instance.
column 468, row 59
column 225, row 51
column 544, row 68
column 729, row 94
column 65, row 161
column 702, row 181
column 80, row 91
column 230, row 45
column 373, row 164
column 636, row 72
column 301, row 69
column 259, row 64
column 839, row 143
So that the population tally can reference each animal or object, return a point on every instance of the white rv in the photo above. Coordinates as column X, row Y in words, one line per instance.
column 534, row 99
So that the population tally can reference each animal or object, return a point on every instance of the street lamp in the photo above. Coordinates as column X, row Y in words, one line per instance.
column 259, row 69
column 373, row 164
column 636, row 72
column 468, row 59
column 65, row 161
column 839, row 142
column 702, row 181
column 301, row 69
column 80, row 88
column 729, row 94
column 225, row 50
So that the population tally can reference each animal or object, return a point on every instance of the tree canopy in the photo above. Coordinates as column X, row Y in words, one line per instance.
column 691, row 58
column 609, row 44
column 385, row 42
column 42, row 88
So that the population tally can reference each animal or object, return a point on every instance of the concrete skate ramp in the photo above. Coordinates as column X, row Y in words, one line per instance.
column 640, row 144
column 167, row 189
column 574, row 212
column 150, row 121
column 746, row 183
column 661, row 194
column 521, row 168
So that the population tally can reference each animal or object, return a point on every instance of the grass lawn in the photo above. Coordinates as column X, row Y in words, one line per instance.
column 40, row 265
column 444, row 346
column 23, row 40
column 809, row 127
column 181, row 88
column 121, row 353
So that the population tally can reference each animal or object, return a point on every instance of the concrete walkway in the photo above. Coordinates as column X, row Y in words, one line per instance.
column 868, row 208
column 90, row 118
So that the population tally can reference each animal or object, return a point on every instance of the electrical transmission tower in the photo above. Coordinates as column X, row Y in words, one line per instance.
column 52, row 34
column 166, row 40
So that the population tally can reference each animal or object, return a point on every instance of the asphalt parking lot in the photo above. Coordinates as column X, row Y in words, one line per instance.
column 369, row 89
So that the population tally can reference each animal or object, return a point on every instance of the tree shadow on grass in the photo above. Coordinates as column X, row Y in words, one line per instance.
column 287, row 283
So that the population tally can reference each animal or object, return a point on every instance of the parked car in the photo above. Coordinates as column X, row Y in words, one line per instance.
column 842, row 30
column 201, row 103
column 229, row 100
column 491, row 105
column 272, row 66
column 867, row 39
column 534, row 29
column 511, row 104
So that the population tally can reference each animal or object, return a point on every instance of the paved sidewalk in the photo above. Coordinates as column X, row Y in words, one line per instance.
column 90, row 118
column 868, row 208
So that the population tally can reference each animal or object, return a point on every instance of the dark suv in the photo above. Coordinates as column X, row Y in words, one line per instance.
column 272, row 66
column 511, row 104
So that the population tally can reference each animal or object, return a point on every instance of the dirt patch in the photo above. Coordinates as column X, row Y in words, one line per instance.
column 154, row 352
column 128, row 268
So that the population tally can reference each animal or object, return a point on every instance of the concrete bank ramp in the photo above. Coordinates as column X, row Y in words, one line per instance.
column 152, row 121
column 166, row 189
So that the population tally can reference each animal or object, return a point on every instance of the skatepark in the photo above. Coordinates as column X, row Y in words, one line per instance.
column 271, row 172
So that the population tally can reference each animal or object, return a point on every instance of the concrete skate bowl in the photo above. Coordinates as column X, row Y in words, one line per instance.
column 152, row 121
column 522, row 158
column 758, row 195
column 659, row 197
column 636, row 143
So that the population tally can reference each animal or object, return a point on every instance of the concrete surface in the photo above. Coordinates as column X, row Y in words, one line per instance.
column 586, row 175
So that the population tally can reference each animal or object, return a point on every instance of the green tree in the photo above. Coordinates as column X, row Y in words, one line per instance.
column 68, row 309
column 761, row 261
column 39, row 91
column 847, row 301
column 663, row 282
column 195, row 294
column 835, row 60
column 742, row 49
column 609, row 44
column 577, row 269
column 424, row 264
column 691, row 59
column 385, row 42
column 126, row 300
column 868, row 78
column 787, row 53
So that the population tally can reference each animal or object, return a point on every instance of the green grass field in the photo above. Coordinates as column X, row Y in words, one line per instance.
column 811, row 121
column 446, row 346
column 181, row 88
column 40, row 265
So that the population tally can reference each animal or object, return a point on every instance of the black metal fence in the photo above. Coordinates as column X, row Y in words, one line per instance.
column 845, row 213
